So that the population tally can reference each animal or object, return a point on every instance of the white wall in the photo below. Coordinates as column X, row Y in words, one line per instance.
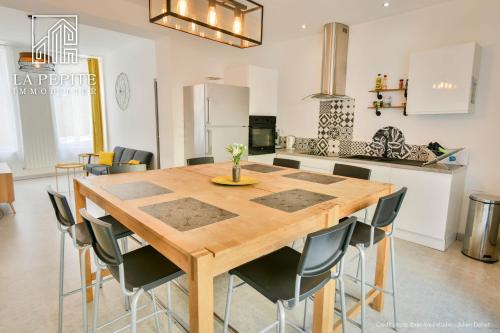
column 135, row 127
column 384, row 46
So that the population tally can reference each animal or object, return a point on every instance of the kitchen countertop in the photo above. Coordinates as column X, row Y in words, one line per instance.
column 438, row 167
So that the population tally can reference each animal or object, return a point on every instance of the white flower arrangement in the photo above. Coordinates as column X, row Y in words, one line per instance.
column 237, row 150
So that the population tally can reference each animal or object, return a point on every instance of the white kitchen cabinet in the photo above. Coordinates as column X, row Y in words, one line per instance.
column 264, row 159
column 311, row 163
column 444, row 80
column 430, row 213
column 263, row 84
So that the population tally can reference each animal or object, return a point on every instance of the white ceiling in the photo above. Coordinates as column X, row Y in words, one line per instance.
column 283, row 18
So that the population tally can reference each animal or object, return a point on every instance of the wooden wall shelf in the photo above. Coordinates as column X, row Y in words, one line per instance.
column 380, row 97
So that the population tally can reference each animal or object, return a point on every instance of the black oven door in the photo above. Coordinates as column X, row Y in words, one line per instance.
column 261, row 141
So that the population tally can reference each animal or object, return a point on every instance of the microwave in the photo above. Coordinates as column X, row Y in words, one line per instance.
column 261, row 135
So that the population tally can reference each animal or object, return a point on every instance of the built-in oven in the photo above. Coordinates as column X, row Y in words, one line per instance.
column 261, row 135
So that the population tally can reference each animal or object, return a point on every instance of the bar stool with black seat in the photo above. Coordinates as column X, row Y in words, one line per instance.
column 352, row 171
column 286, row 163
column 137, row 271
column 286, row 277
column 200, row 160
column 81, row 241
column 366, row 236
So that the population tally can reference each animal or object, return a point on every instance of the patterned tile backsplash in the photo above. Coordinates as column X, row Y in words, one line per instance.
column 335, row 136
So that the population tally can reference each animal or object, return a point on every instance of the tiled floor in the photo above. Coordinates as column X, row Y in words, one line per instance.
column 438, row 292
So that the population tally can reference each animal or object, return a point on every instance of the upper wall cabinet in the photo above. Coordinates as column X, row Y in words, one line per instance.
column 263, row 84
column 444, row 80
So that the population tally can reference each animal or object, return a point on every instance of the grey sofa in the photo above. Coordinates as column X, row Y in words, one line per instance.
column 120, row 159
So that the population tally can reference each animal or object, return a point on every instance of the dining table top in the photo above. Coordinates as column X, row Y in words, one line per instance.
column 184, row 208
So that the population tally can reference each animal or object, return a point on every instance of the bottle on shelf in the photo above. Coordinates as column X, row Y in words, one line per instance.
column 378, row 82
column 401, row 84
column 384, row 82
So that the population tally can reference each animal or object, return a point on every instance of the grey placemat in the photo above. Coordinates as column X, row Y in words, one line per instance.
column 293, row 200
column 261, row 168
column 315, row 178
column 187, row 213
column 135, row 190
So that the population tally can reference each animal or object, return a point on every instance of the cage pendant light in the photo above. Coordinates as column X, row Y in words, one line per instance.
column 237, row 23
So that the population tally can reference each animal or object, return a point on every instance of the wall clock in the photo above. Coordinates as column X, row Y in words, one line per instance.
column 122, row 91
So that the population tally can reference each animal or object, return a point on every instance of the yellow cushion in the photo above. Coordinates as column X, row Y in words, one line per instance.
column 134, row 162
column 106, row 158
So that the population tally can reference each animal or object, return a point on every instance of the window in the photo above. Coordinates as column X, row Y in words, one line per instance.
column 72, row 114
column 9, row 106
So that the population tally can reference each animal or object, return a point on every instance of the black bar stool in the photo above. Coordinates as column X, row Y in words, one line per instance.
column 366, row 236
column 353, row 172
column 286, row 163
column 137, row 271
column 81, row 241
column 286, row 277
column 200, row 160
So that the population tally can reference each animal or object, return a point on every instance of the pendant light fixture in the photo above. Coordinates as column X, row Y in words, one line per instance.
column 39, row 63
column 237, row 23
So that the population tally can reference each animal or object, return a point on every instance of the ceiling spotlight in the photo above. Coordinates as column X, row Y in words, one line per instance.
column 304, row 26
column 387, row 3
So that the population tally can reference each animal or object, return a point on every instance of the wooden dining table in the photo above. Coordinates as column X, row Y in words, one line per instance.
column 207, row 229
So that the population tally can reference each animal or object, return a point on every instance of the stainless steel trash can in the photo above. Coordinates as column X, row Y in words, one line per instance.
column 481, row 232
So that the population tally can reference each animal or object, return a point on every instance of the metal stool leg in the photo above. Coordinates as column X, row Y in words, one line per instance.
column 304, row 320
column 61, row 283
column 96, row 298
column 393, row 270
column 169, row 307
column 155, row 309
column 124, row 244
column 363, row 287
column 342, row 303
column 228, row 303
column 281, row 317
column 133, row 311
column 84, row 289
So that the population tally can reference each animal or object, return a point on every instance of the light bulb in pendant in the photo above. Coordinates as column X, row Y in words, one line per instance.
column 182, row 7
column 237, row 22
column 212, row 15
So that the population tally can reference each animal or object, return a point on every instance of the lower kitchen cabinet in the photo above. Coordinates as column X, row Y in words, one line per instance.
column 265, row 159
column 430, row 214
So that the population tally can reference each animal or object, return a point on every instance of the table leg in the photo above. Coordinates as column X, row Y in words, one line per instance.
column 381, row 266
column 57, row 182
column 12, row 207
column 324, row 301
column 201, row 293
column 323, row 309
column 381, row 272
column 80, row 203
column 69, row 184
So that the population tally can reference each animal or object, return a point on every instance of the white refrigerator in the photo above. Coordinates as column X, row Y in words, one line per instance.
column 215, row 115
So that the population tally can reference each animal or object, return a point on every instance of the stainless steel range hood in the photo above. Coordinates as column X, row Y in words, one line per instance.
column 334, row 70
